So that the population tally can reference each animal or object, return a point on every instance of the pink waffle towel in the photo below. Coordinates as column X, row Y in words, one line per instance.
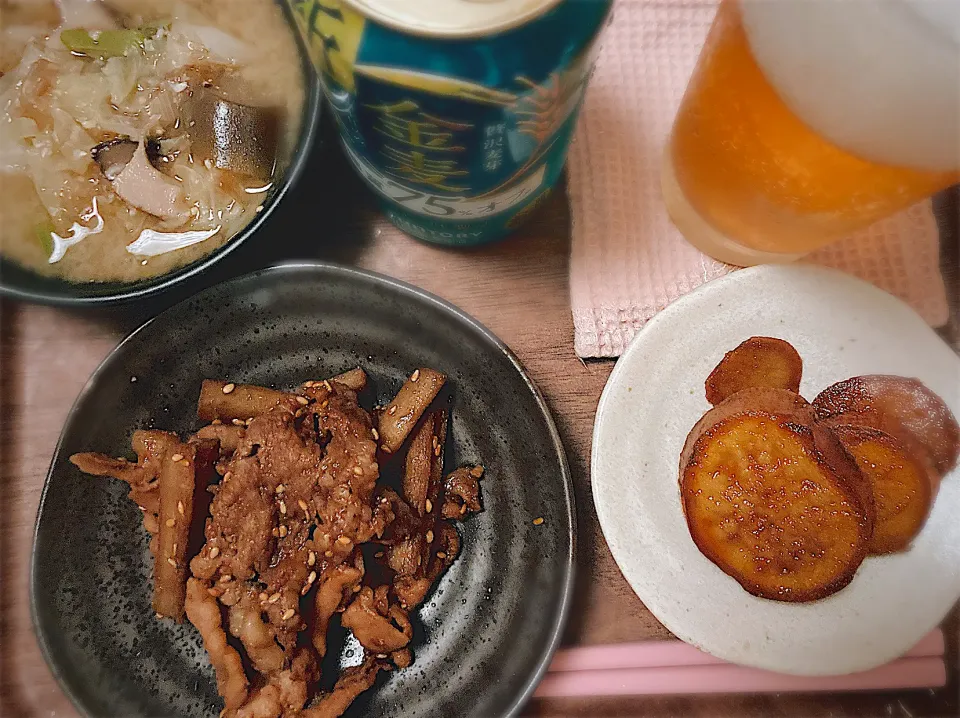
column 628, row 260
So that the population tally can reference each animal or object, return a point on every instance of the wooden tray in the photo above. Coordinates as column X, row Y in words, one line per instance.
column 518, row 288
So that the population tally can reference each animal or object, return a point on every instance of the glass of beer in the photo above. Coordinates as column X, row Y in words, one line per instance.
column 805, row 120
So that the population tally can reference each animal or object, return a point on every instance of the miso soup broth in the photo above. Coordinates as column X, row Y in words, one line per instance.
column 137, row 136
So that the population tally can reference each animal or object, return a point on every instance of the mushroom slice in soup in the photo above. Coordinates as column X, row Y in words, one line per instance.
column 114, row 155
column 142, row 185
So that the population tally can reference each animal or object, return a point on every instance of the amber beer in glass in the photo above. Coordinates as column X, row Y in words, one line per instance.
column 805, row 120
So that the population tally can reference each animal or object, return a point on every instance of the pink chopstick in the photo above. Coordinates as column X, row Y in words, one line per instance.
column 674, row 668
column 661, row 654
column 727, row 678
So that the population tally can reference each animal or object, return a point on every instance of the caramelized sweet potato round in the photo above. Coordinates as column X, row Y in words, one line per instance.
column 903, row 481
column 757, row 362
column 772, row 498
column 898, row 406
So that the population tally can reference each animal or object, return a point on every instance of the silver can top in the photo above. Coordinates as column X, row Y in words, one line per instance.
column 452, row 18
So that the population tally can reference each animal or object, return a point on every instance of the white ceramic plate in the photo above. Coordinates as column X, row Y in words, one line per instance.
column 842, row 327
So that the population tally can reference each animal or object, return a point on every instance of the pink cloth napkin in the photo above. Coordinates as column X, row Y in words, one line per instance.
column 628, row 261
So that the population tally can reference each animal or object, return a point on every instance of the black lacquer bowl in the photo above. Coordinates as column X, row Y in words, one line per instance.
column 485, row 634
column 22, row 284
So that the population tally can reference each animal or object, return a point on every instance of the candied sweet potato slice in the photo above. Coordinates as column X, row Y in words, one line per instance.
column 895, row 405
column 757, row 362
column 903, row 481
column 772, row 498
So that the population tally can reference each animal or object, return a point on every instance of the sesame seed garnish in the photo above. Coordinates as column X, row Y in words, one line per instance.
column 429, row 536
column 227, row 476
column 303, row 400
column 325, row 404
column 375, row 434
column 312, row 577
column 441, row 554
column 537, row 521
column 435, row 442
column 385, row 449
column 282, row 531
column 176, row 457
column 328, row 554
column 476, row 472
column 216, row 422
column 288, row 614
column 357, row 470
column 463, row 509
column 392, row 410
column 180, row 509
column 280, row 488
column 303, row 505
column 308, row 384
column 415, row 375
column 344, row 541
column 172, row 562
column 214, row 552
column 227, row 388
column 429, row 506
column 174, row 547
column 248, row 421
column 327, row 386
column 237, row 422
column 226, row 578
column 283, row 508
column 378, row 554
column 274, row 598
column 170, row 523
column 381, row 655
column 436, row 450
column 158, row 615
column 311, row 558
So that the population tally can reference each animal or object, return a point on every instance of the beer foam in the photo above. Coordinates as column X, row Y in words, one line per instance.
column 879, row 78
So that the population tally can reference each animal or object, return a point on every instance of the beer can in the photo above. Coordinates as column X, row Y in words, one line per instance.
column 457, row 113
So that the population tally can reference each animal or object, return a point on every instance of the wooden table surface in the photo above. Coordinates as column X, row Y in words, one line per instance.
column 517, row 288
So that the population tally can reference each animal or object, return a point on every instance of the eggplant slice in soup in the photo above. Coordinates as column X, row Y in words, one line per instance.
column 139, row 135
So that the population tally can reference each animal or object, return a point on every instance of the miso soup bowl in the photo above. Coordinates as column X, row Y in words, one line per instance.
column 22, row 284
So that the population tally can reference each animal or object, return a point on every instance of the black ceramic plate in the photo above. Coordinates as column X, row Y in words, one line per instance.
column 485, row 634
